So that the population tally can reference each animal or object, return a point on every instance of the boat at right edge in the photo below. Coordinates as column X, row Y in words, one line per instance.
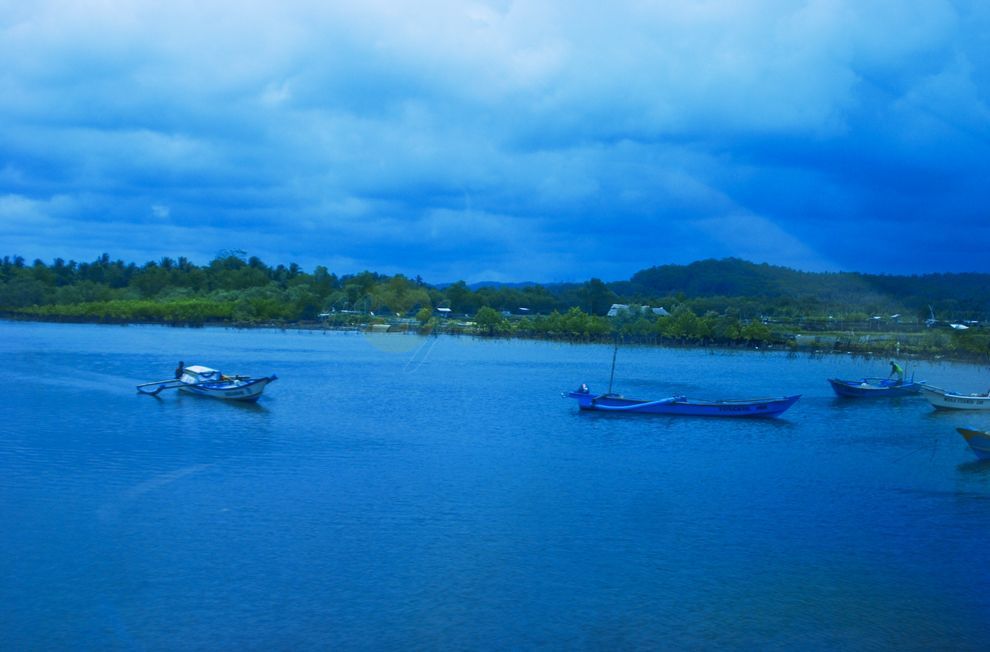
column 978, row 440
column 942, row 399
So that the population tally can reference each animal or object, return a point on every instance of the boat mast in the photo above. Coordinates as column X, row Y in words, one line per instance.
column 614, row 352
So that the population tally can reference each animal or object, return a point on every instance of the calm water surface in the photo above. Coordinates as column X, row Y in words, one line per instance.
column 401, row 492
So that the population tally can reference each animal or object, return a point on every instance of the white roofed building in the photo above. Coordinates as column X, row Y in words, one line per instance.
column 620, row 307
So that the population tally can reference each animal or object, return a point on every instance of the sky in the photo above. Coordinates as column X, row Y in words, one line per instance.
column 501, row 141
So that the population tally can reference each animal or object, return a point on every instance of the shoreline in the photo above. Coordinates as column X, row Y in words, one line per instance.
column 786, row 343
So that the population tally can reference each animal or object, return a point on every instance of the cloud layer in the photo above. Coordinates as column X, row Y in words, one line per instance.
column 499, row 140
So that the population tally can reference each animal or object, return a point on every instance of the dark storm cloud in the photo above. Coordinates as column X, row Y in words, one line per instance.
column 497, row 140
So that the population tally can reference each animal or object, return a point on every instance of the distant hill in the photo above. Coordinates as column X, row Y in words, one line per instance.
column 722, row 283
column 474, row 287
column 967, row 293
column 498, row 284
column 729, row 277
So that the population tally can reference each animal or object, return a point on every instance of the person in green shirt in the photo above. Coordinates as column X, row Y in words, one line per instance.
column 898, row 370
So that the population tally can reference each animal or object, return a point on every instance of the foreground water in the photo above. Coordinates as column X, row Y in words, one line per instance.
column 393, row 492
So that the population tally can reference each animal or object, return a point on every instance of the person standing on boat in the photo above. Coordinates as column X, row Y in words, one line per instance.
column 896, row 370
column 181, row 369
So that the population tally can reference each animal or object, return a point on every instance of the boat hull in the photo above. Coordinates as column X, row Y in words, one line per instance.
column 682, row 406
column 944, row 400
column 873, row 388
column 979, row 442
column 238, row 390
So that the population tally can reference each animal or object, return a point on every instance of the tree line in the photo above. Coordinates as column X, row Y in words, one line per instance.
column 234, row 287
column 709, row 301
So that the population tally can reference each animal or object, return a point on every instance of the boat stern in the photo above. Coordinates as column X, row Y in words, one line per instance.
column 582, row 395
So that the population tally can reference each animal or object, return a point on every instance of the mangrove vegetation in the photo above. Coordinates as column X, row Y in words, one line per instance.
column 727, row 302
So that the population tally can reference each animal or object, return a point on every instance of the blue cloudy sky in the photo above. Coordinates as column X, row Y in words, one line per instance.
column 542, row 140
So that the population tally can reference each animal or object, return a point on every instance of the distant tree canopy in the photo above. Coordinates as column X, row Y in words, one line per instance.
column 710, row 298
column 786, row 292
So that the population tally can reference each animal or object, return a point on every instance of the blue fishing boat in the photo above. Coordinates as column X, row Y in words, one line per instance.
column 204, row 381
column 681, row 405
column 677, row 405
column 978, row 440
column 875, row 387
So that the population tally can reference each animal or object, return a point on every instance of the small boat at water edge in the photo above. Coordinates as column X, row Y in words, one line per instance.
column 681, row 405
column 978, row 440
column 874, row 387
column 204, row 381
column 942, row 399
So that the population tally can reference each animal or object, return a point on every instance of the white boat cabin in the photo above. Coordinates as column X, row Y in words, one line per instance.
column 199, row 374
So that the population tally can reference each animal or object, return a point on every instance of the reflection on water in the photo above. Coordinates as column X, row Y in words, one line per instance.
column 976, row 467
column 437, row 492
column 251, row 406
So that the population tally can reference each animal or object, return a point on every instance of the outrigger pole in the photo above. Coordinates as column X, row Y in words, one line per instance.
column 172, row 383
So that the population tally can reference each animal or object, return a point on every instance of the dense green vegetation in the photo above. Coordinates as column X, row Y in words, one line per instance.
column 713, row 302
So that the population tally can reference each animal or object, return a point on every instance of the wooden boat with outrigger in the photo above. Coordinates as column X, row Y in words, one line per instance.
column 204, row 381
column 677, row 405
column 682, row 405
